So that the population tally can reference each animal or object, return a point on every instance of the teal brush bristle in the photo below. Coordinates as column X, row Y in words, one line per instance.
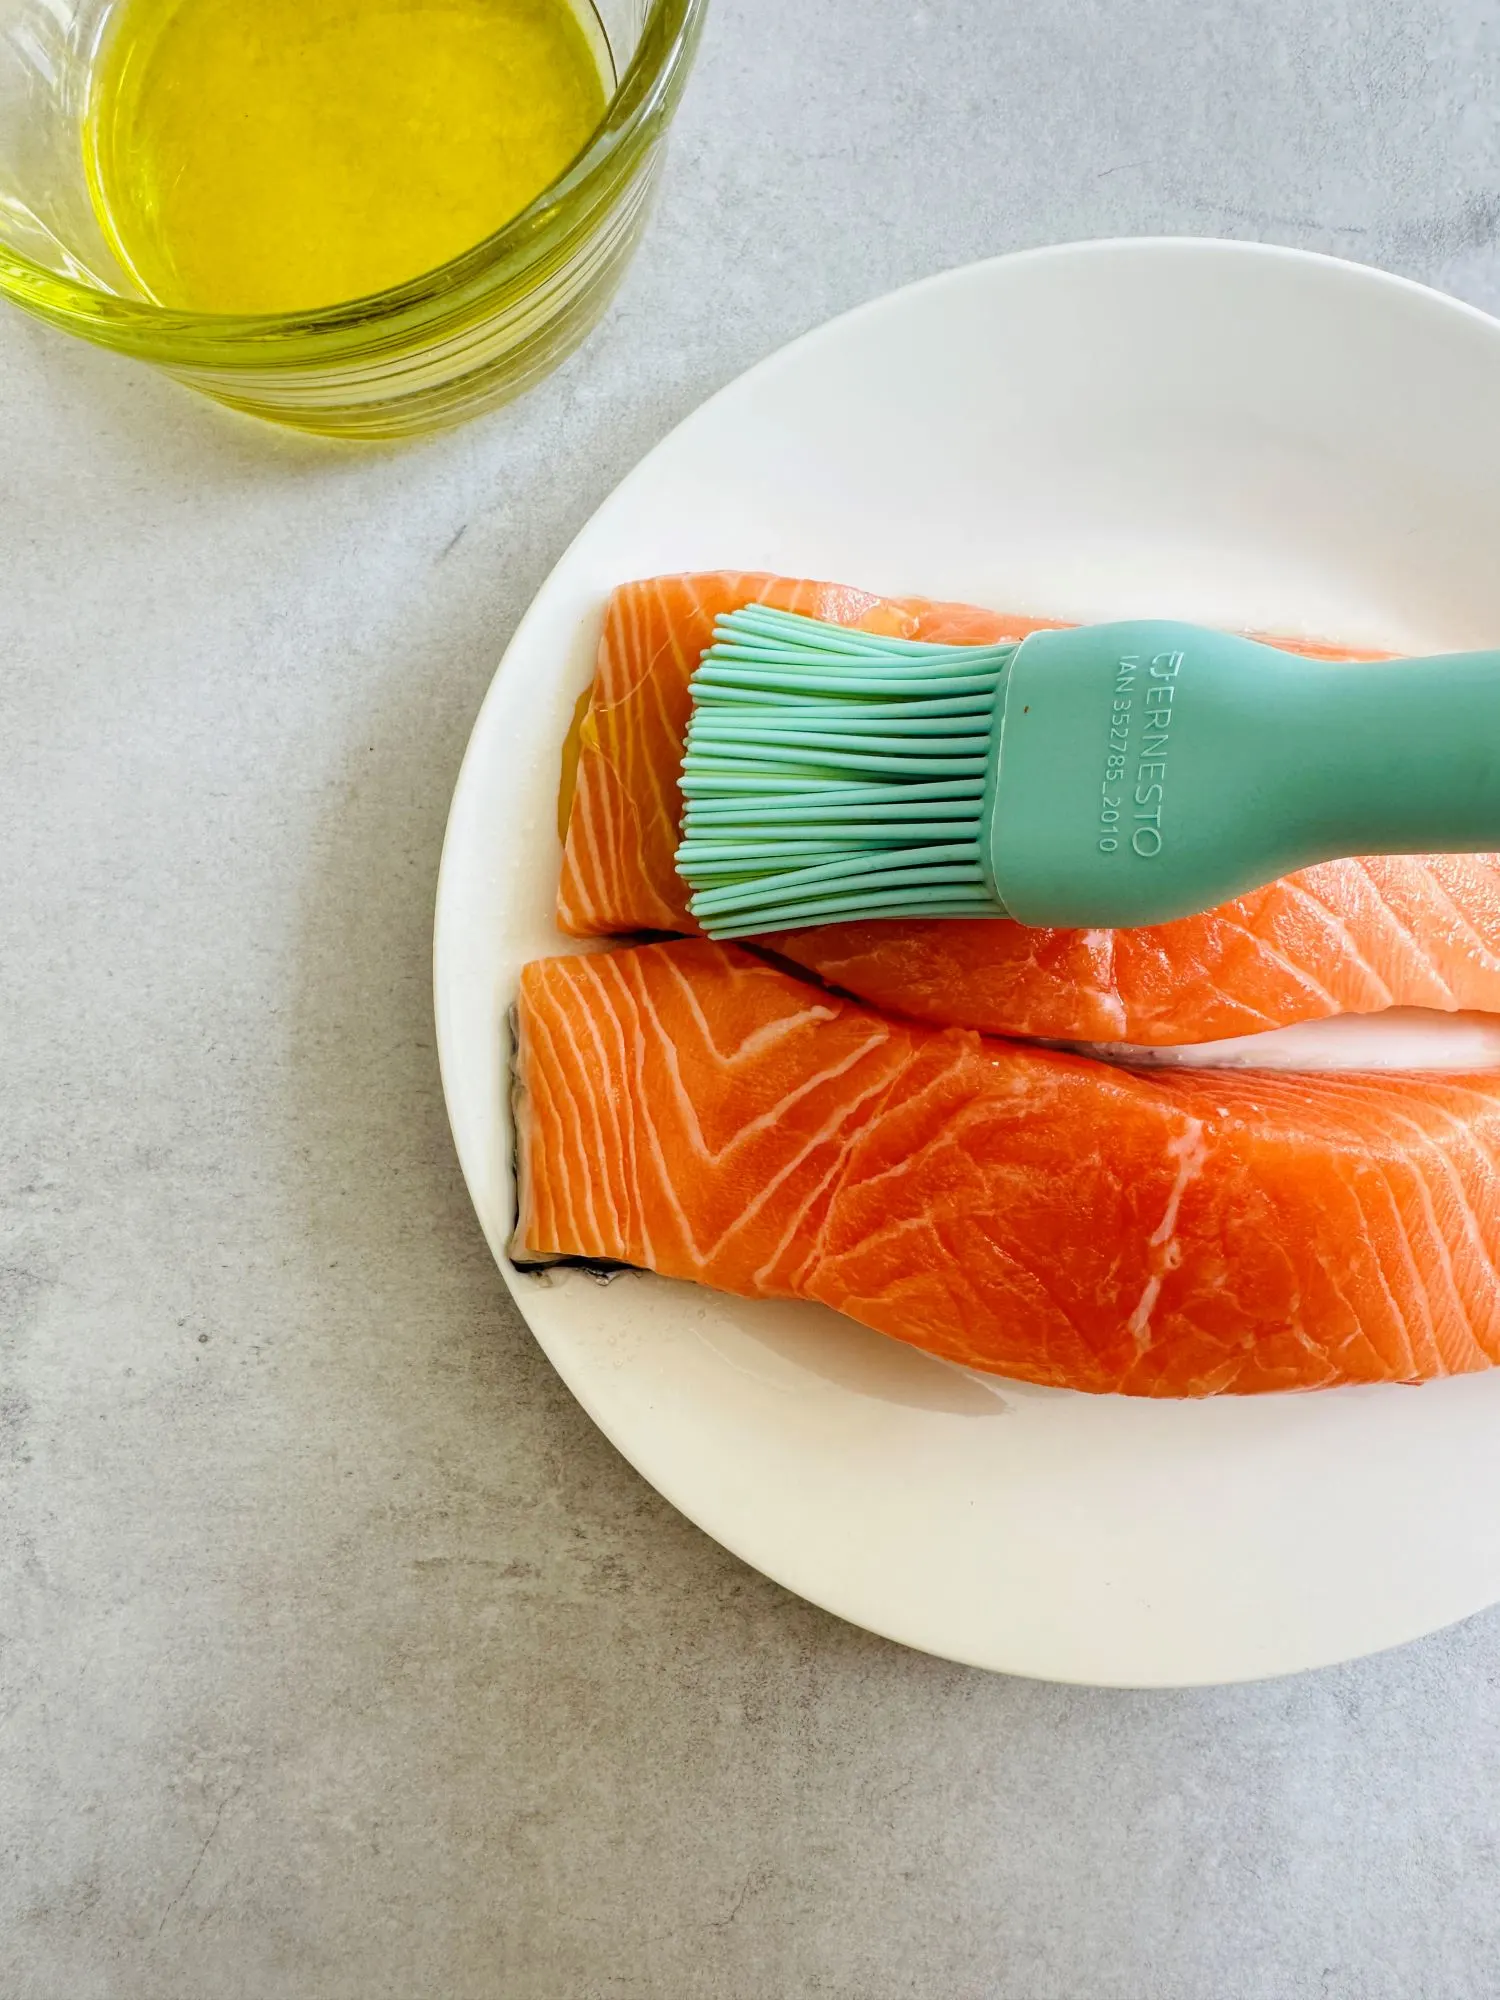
column 830, row 773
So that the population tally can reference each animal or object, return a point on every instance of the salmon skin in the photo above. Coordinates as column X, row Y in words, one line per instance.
column 692, row 1109
column 1345, row 937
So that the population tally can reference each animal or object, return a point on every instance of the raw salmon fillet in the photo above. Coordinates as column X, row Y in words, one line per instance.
column 1346, row 937
column 690, row 1108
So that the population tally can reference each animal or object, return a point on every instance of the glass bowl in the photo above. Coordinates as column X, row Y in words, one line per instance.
column 423, row 355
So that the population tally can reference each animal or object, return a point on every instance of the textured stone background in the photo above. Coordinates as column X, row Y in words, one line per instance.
column 342, row 1658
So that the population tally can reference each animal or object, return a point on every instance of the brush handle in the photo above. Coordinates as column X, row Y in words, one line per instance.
column 1148, row 770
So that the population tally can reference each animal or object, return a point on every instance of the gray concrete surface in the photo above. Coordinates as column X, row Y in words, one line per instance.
column 342, row 1659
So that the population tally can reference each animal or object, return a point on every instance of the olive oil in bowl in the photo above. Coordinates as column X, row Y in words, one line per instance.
column 278, row 156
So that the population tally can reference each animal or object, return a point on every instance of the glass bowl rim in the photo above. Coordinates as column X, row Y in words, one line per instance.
column 649, row 85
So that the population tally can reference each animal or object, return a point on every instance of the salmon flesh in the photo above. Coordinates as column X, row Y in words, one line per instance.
column 1345, row 937
column 695, row 1110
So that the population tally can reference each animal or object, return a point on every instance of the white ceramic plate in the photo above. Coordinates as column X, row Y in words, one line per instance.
column 1241, row 435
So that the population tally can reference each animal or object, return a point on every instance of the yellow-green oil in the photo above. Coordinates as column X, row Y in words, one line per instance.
column 268, row 156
